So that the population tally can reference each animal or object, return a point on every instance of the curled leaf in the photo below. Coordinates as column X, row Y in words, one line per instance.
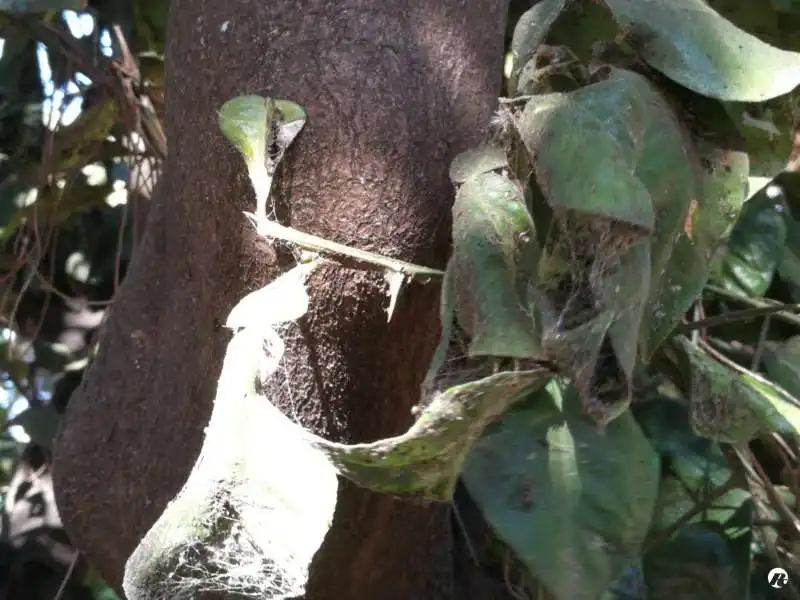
column 426, row 461
column 494, row 260
column 261, row 129
column 530, row 32
column 245, row 121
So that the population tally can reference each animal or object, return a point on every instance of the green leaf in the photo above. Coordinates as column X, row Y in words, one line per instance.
column 574, row 503
column 426, row 461
column 697, row 460
column 733, row 406
column 261, row 129
column 720, row 402
column 782, row 362
column 696, row 47
column 34, row 6
column 640, row 175
column 755, row 247
column 99, row 588
column 246, row 122
column 702, row 562
column 778, row 410
column 557, row 129
column 585, row 28
column 494, row 260
column 768, row 131
column 684, row 255
column 530, row 32
column 709, row 557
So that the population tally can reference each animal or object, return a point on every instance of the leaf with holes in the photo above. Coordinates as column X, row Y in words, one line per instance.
column 494, row 260
column 698, row 48
column 567, row 498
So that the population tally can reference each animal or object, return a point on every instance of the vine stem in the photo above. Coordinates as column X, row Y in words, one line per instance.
column 269, row 228
column 760, row 308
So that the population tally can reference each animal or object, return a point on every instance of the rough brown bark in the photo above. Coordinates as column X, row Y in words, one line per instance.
column 393, row 91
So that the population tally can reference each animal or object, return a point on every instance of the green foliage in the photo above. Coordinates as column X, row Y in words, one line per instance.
column 628, row 140
column 696, row 47
column 694, row 554
column 782, row 363
column 573, row 502
column 494, row 251
column 755, row 247
column 733, row 405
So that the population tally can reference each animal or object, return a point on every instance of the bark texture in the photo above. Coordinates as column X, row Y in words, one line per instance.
column 393, row 91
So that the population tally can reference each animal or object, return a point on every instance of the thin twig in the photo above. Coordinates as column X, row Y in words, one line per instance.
column 751, row 464
column 323, row 246
column 737, row 316
column 67, row 575
column 760, row 345
column 784, row 312
column 704, row 504
column 465, row 533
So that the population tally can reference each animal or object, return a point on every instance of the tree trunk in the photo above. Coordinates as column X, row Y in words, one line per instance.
column 393, row 90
